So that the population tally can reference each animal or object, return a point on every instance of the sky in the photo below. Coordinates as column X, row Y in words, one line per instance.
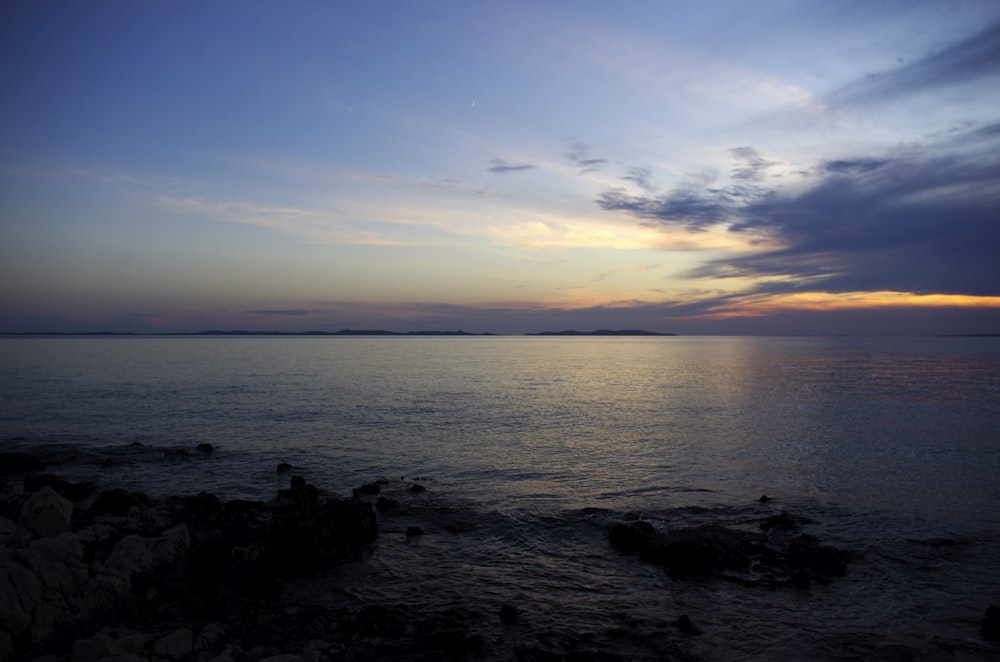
column 690, row 167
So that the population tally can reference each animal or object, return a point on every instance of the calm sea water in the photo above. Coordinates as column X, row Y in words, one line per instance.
column 890, row 445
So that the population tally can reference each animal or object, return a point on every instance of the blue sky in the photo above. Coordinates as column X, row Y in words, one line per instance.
column 689, row 167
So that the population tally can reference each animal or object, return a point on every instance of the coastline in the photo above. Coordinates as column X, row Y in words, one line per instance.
column 91, row 572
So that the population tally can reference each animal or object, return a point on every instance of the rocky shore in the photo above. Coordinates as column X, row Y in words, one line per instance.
column 89, row 574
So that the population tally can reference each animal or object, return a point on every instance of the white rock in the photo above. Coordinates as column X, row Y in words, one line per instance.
column 137, row 554
column 45, row 513
column 103, row 646
column 175, row 646
column 20, row 593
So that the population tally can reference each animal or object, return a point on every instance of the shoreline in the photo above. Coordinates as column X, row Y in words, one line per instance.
column 101, row 572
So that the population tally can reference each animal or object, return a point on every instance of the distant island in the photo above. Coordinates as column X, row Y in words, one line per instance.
column 343, row 332
column 601, row 332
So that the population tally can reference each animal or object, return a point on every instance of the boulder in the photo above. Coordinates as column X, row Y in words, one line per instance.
column 140, row 554
column 108, row 644
column 45, row 513
column 175, row 646
column 118, row 502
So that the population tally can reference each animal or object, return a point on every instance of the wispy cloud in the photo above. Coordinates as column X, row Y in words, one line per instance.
column 293, row 312
column 751, row 166
column 969, row 59
column 641, row 177
column 579, row 155
column 501, row 167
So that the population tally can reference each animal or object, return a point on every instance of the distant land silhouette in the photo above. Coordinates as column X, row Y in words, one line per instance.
column 601, row 332
column 343, row 332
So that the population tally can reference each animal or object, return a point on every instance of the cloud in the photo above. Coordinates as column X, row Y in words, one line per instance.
column 964, row 61
column 641, row 177
column 281, row 312
column 751, row 166
column 690, row 207
column 501, row 167
column 925, row 221
column 579, row 155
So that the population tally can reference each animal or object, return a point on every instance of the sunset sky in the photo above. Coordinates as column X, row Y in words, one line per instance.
column 689, row 167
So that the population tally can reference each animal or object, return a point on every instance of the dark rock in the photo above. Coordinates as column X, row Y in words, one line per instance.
column 508, row 614
column 729, row 553
column 117, row 502
column 385, row 503
column 417, row 488
column 284, row 467
column 379, row 621
column 368, row 488
column 632, row 536
column 17, row 463
column 990, row 625
column 46, row 513
column 177, row 452
column 805, row 552
column 764, row 498
column 686, row 625
column 414, row 531
column 801, row 578
column 782, row 521
column 71, row 491
column 448, row 632
column 321, row 535
column 300, row 497
column 206, row 448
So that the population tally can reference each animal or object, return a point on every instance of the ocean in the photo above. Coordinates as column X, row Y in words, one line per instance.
column 532, row 447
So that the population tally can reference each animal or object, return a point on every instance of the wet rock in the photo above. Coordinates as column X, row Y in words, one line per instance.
column 384, row 503
column 175, row 646
column 805, row 552
column 632, row 536
column 137, row 554
column 764, row 498
column 412, row 531
column 45, row 513
column 18, row 463
column 686, row 625
column 206, row 448
column 12, row 535
column 108, row 644
column 508, row 614
column 307, row 535
column 300, row 497
column 368, row 489
column 784, row 522
column 795, row 558
column 118, row 502
column 71, row 491
column 284, row 467
column 211, row 639
column 990, row 625
column 417, row 488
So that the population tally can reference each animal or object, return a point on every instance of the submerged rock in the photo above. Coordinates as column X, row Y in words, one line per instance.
column 990, row 625
column 743, row 556
column 686, row 625
column 17, row 463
